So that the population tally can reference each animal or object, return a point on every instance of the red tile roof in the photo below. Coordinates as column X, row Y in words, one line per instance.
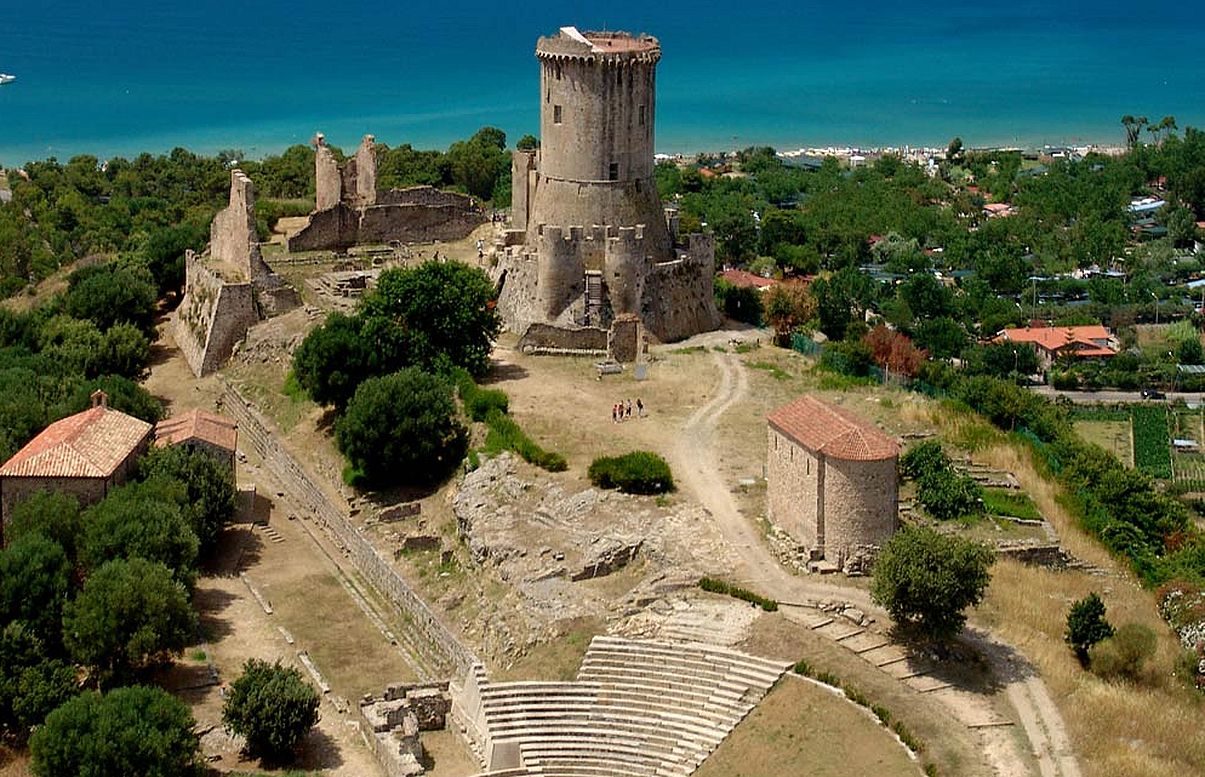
column 91, row 444
column 1054, row 338
column 744, row 279
column 833, row 431
column 198, row 425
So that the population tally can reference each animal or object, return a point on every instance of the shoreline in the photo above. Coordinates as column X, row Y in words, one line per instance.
column 840, row 150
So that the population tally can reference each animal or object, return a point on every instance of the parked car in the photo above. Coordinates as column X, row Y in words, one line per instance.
column 1153, row 394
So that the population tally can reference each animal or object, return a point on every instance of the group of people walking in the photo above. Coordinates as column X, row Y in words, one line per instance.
column 623, row 410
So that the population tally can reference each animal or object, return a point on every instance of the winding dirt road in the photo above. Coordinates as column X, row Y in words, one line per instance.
column 695, row 463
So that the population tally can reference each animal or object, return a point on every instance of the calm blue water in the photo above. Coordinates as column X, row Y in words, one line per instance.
column 120, row 77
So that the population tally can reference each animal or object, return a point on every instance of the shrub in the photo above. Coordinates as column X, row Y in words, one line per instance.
column 948, row 495
column 638, row 472
column 1125, row 653
column 712, row 585
column 505, row 434
column 271, row 706
column 478, row 402
column 924, row 459
column 1086, row 625
column 402, row 429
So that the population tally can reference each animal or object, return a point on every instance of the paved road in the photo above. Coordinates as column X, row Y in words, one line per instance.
column 1111, row 397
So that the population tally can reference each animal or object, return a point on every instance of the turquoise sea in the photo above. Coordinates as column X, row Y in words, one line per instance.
column 116, row 78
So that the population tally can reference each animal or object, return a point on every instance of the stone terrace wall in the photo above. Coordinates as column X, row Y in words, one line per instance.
column 444, row 649
column 546, row 338
column 212, row 317
column 425, row 195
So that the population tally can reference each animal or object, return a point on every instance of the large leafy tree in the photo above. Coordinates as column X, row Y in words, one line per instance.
column 140, row 520
column 35, row 577
column 927, row 579
column 136, row 731
column 272, row 707
column 54, row 515
column 1087, row 625
column 209, row 491
column 333, row 359
column 445, row 311
column 130, row 613
column 402, row 429
column 31, row 683
column 113, row 293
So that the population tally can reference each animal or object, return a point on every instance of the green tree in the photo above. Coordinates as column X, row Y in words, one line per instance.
column 740, row 303
column 789, row 308
column 1190, row 352
column 31, row 683
column 926, row 296
column 943, row 338
column 477, row 164
column 402, row 429
column 209, row 488
column 52, row 514
column 528, row 143
column 924, row 459
column 35, row 577
column 948, row 495
column 129, row 614
column 443, row 311
column 137, row 731
column 927, row 579
column 841, row 299
column 112, row 293
column 334, row 358
column 272, row 707
column 1086, row 625
column 139, row 520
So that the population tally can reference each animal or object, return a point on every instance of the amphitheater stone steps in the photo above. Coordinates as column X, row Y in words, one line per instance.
column 636, row 709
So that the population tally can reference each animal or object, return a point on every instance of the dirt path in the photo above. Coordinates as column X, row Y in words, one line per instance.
column 695, row 458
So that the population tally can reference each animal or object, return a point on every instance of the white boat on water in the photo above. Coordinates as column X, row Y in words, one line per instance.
column 5, row 78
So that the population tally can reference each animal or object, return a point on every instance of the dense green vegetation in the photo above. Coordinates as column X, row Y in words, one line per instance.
column 712, row 585
column 944, row 492
column 1152, row 446
column 638, row 472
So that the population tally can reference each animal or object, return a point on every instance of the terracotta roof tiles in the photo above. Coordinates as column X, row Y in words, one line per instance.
column 198, row 425
column 833, row 431
column 91, row 444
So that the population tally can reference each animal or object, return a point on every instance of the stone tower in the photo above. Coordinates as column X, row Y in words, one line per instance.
column 595, row 243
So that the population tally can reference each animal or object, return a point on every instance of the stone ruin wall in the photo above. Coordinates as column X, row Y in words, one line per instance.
column 213, row 316
column 229, row 288
column 350, row 211
column 428, row 636
column 545, row 338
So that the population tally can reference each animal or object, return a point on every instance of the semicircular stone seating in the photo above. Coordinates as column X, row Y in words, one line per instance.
column 638, row 708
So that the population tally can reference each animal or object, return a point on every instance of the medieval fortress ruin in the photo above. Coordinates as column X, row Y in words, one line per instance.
column 228, row 288
column 591, row 243
column 350, row 210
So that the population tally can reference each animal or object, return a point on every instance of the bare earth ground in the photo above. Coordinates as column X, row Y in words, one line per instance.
column 310, row 601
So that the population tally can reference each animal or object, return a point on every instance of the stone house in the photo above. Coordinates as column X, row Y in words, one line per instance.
column 200, row 430
column 832, row 483
column 84, row 455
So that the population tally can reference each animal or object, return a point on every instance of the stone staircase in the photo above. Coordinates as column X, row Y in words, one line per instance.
column 636, row 709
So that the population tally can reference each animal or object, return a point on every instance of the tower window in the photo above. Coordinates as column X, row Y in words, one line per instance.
column 619, row 76
column 642, row 116
column 558, row 71
column 613, row 172
column 556, row 114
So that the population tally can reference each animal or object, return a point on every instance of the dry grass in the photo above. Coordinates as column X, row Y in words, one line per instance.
column 557, row 658
column 1113, row 436
column 1118, row 729
column 800, row 728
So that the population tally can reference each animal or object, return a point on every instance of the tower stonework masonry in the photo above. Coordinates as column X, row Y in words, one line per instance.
column 831, row 483
column 590, row 240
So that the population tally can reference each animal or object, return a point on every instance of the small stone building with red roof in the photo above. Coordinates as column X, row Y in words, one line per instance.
column 200, row 430
column 84, row 455
column 832, row 483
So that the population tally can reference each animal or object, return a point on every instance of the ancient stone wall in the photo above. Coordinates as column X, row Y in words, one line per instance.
column 442, row 648
column 625, row 340
column 522, row 183
column 14, row 491
column 328, row 180
column 365, row 192
column 416, row 223
column 544, row 338
column 233, row 242
column 330, row 229
column 212, row 317
column 425, row 195
column 861, row 505
column 793, row 489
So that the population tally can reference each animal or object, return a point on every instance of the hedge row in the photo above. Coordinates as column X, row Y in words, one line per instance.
column 638, row 472
column 712, row 585
column 505, row 434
